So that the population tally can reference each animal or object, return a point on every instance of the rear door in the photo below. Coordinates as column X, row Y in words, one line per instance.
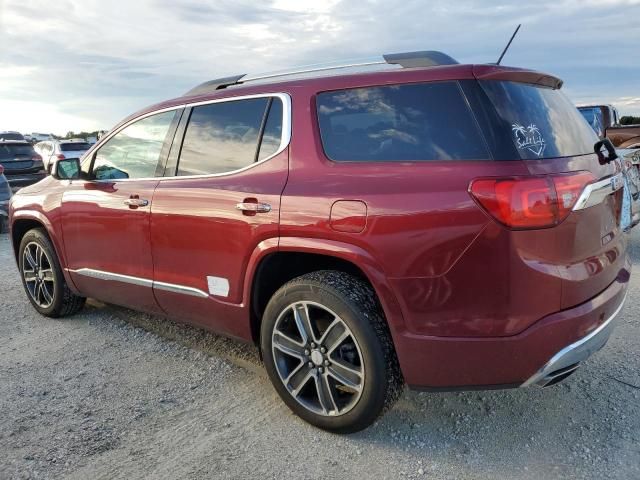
column 105, row 218
column 217, row 205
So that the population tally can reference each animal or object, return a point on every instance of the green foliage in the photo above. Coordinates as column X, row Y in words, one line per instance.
column 81, row 134
column 629, row 120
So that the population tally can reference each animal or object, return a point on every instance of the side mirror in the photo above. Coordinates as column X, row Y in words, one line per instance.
column 611, row 150
column 67, row 169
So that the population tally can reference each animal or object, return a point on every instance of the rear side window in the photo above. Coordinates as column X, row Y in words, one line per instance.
column 74, row 147
column 411, row 122
column 10, row 151
column 223, row 137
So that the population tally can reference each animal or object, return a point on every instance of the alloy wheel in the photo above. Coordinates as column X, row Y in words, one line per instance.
column 38, row 274
column 318, row 358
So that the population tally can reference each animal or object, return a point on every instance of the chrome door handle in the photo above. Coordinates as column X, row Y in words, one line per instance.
column 251, row 207
column 136, row 202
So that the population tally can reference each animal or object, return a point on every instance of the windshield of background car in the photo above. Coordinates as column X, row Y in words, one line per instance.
column 540, row 121
column 9, row 151
column 593, row 116
column 74, row 147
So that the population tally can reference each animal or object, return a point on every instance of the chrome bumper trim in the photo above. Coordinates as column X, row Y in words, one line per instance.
column 594, row 193
column 568, row 358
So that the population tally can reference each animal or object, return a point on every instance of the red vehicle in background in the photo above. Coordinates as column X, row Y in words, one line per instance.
column 441, row 225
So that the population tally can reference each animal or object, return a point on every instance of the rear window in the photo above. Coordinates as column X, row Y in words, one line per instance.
column 11, row 151
column 541, row 122
column 410, row 122
column 11, row 136
column 74, row 147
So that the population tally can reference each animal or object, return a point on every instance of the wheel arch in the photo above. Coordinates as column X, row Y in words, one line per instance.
column 22, row 222
column 294, row 257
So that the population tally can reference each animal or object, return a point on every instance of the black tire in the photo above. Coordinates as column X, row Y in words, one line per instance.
column 355, row 303
column 63, row 301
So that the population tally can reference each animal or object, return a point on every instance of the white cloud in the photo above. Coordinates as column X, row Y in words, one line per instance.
column 95, row 62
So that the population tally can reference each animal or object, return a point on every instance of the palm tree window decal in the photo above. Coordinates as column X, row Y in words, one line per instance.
column 529, row 138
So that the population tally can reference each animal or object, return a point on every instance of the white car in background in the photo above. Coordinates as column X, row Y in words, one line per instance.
column 54, row 150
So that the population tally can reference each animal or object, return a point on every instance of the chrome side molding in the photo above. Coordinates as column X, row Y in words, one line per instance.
column 595, row 193
column 141, row 282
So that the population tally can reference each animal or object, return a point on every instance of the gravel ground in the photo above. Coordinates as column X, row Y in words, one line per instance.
column 111, row 393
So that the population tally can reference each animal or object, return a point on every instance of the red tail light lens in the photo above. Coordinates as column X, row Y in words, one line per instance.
column 60, row 156
column 1, row 169
column 530, row 202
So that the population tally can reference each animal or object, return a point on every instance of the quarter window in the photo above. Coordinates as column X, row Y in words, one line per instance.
column 410, row 122
column 223, row 137
column 134, row 152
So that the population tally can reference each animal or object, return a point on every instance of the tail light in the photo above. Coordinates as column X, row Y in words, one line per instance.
column 530, row 202
column 60, row 156
column 1, row 169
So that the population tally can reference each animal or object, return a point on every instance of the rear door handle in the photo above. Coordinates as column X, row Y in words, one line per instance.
column 251, row 208
column 136, row 202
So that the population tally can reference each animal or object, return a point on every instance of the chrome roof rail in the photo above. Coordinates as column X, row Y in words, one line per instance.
column 427, row 58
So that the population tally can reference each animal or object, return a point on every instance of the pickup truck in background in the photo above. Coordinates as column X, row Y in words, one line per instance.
column 604, row 119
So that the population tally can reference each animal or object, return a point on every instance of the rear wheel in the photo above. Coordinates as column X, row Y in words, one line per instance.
column 328, row 351
column 43, row 279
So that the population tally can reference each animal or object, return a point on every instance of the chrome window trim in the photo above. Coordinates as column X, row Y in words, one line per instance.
column 285, row 139
column 142, row 282
column 595, row 193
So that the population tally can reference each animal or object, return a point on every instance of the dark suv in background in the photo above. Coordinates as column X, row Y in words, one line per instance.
column 441, row 225
column 22, row 165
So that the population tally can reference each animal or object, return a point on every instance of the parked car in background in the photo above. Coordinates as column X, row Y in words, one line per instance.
column 22, row 165
column 5, row 196
column 40, row 137
column 605, row 121
column 441, row 225
column 11, row 135
column 53, row 150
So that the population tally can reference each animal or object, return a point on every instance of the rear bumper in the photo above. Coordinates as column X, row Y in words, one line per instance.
column 568, row 359
column 556, row 342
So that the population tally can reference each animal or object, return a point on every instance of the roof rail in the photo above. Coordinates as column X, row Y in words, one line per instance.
column 426, row 58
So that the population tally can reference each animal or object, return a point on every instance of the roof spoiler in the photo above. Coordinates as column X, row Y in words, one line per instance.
column 494, row 72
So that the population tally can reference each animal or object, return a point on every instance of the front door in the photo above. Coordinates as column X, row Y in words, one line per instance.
column 216, row 206
column 105, row 217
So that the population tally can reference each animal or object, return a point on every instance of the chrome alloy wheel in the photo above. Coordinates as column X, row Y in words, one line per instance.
column 318, row 359
column 38, row 274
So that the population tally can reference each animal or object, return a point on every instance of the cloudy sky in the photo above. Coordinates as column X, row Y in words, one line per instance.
column 85, row 64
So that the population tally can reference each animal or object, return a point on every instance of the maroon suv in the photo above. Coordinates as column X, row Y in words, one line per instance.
column 424, row 222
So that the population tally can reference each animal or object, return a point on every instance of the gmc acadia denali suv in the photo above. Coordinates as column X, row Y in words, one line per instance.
column 408, row 220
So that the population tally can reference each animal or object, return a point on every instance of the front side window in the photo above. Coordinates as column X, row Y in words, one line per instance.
column 410, row 122
column 133, row 152
column 223, row 137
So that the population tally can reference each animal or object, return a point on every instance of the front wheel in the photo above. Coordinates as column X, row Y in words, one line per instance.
column 42, row 277
column 328, row 351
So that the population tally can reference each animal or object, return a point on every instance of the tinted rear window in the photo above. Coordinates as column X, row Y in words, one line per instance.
column 541, row 122
column 411, row 122
column 11, row 151
column 12, row 136
column 74, row 147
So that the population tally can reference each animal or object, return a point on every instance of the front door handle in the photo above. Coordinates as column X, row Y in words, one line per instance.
column 251, row 208
column 135, row 202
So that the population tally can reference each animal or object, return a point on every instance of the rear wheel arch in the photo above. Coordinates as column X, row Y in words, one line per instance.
column 279, row 267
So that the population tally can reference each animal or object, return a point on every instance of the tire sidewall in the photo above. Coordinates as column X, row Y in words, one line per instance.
column 37, row 236
column 372, row 399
